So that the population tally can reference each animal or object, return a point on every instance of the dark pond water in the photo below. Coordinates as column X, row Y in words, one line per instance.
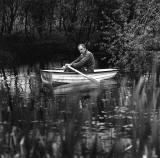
column 82, row 121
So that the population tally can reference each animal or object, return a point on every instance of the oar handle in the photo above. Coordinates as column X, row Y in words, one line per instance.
column 89, row 78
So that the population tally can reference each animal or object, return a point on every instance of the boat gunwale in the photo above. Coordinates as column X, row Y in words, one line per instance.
column 96, row 71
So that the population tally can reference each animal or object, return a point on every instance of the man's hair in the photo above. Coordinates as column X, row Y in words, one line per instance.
column 83, row 45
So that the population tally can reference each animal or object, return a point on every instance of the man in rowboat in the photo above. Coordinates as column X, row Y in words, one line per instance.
column 84, row 63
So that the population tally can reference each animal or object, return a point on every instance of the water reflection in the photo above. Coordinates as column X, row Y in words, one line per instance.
column 70, row 120
column 83, row 107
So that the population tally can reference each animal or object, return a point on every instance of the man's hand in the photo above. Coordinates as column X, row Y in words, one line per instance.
column 65, row 66
column 68, row 65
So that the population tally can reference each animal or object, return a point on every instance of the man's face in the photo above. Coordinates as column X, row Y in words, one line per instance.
column 81, row 49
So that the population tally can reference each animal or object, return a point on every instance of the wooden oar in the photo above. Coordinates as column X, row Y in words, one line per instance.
column 89, row 78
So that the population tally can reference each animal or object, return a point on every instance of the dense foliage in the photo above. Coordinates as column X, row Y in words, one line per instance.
column 120, row 32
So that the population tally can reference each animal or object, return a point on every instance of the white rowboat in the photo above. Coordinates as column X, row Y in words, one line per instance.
column 59, row 76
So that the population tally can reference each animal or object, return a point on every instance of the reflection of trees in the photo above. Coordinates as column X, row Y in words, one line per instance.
column 92, row 102
column 46, row 124
column 86, row 121
column 17, row 110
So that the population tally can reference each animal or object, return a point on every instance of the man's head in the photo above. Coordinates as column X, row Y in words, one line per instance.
column 82, row 48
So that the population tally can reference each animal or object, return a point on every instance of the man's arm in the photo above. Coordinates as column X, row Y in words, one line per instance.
column 77, row 60
column 81, row 62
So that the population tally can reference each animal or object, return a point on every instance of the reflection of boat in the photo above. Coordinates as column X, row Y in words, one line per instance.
column 54, row 76
column 82, row 87
column 81, row 95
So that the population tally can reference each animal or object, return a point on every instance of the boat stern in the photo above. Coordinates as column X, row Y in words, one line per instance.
column 46, row 77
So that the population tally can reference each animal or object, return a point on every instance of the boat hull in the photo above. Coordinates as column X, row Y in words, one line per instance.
column 58, row 76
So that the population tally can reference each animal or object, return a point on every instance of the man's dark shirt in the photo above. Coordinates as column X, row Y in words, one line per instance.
column 84, row 62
